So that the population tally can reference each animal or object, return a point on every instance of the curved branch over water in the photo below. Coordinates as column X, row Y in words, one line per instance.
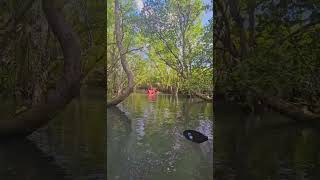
column 67, row 87
column 123, row 60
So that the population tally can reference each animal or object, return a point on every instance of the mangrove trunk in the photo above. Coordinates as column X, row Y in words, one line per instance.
column 66, row 88
column 124, row 94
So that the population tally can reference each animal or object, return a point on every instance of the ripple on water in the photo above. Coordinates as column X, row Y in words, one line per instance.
column 155, row 149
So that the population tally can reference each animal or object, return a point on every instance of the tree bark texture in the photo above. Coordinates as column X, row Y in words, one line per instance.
column 66, row 88
column 123, row 95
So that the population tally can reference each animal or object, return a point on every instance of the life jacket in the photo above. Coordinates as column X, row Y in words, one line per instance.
column 151, row 91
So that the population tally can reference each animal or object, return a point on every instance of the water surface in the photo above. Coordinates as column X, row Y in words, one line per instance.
column 144, row 139
column 72, row 146
column 264, row 146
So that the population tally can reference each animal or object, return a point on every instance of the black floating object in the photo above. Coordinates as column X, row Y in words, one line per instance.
column 195, row 136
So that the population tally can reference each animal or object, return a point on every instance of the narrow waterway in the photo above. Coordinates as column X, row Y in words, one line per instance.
column 72, row 146
column 144, row 139
column 141, row 140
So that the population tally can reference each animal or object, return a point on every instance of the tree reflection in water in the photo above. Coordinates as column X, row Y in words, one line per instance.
column 264, row 146
column 155, row 148
column 22, row 159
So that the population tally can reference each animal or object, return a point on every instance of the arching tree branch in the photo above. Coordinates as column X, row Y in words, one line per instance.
column 66, row 88
column 118, row 32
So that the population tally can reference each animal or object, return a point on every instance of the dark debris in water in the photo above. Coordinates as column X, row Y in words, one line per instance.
column 195, row 136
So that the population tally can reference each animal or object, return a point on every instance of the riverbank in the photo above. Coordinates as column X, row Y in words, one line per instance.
column 254, row 101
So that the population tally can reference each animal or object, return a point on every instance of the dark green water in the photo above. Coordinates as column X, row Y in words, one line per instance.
column 266, row 146
column 144, row 139
column 145, row 143
column 73, row 146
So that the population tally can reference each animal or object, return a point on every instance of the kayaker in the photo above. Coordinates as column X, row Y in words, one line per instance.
column 151, row 90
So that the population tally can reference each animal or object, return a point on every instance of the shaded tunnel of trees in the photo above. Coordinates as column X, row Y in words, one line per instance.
column 256, row 52
column 46, row 56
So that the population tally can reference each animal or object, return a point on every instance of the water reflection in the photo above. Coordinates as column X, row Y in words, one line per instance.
column 264, row 146
column 72, row 146
column 24, row 160
column 152, row 97
column 77, row 137
column 155, row 149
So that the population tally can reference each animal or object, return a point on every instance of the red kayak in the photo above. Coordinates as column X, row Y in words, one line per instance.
column 151, row 91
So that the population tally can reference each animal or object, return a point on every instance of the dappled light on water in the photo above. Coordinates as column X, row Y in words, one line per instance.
column 145, row 139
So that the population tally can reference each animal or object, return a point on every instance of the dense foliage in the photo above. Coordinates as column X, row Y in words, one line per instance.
column 270, row 47
column 31, row 58
column 167, row 46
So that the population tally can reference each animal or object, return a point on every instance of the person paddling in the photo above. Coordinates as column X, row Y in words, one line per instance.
column 151, row 90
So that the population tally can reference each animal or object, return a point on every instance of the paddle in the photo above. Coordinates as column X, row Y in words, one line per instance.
column 195, row 136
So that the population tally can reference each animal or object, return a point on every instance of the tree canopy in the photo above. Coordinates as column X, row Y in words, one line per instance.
column 270, row 48
column 166, row 45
